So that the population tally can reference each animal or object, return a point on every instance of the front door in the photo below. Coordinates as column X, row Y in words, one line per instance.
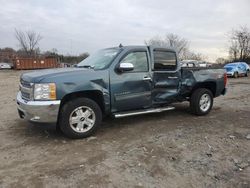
column 166, row 76
column 242, row 69
column 131, row 90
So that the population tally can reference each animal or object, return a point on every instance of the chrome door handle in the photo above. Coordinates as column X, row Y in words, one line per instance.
column 147, row 78
column 172, row 77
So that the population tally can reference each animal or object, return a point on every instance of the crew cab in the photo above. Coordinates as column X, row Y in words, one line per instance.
column 119, row 82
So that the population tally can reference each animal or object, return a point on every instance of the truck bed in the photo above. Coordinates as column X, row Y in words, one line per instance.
column 194, row 76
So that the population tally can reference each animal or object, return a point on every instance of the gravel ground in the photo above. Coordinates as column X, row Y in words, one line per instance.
column 170, row 149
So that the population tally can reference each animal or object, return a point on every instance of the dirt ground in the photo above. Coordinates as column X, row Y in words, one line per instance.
column 170, row 149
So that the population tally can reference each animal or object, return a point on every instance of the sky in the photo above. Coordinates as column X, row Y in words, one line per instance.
column 74, row 27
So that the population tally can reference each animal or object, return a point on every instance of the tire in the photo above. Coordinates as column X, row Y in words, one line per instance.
column 80, row 118
column 197, row 97
column 236, row 75
column 246, row 75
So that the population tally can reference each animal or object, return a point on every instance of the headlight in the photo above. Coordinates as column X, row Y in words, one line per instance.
column 45, row 91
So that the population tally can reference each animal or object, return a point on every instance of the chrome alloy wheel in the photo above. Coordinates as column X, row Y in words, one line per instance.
column 82, row 119
column 205, row 102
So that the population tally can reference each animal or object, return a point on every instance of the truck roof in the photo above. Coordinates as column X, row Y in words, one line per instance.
column 143, row 46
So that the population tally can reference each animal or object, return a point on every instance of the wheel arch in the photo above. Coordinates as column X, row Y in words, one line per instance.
column 94, row 95
column 210, row 85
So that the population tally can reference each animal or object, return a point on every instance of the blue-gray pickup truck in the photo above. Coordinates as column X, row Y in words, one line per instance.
column 120, row 81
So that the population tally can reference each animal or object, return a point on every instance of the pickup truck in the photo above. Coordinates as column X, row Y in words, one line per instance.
column 118, row 82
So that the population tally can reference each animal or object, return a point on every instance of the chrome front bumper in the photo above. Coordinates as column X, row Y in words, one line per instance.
column 230, row 73
column 38, row 111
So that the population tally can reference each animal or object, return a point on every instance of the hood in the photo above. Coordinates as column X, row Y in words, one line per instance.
column 39, row 75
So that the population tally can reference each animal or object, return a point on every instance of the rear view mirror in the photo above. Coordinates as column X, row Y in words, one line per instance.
column 126, row 67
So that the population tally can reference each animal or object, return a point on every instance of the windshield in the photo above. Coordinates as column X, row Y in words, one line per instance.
column 245, row 65
column 229, row 68
column 99, row 60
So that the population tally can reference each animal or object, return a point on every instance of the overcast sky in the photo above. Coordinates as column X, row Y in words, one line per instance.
column 87, row 25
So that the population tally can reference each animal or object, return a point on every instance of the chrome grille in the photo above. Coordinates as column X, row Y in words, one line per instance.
column 25, row 95
column 25, row 84
column 26, row 90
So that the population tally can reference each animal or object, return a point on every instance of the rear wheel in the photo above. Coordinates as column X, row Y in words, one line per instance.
column 201, row 101
column 80, row 118
column 246, row 75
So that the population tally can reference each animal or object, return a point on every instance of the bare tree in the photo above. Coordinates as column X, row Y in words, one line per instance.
column 193, row 56
column 239, row 43
column 157, row 41
column 221, row 60
column 28, row 41
column 179, row 44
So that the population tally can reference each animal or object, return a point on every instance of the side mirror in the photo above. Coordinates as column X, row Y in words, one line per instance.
column 126, row 67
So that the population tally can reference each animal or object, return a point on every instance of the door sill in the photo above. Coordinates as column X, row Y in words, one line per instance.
column 144, row 111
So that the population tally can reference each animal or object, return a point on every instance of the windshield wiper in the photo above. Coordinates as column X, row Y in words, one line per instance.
column 86, row 66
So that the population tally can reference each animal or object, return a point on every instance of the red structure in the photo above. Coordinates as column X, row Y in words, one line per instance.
column 35, row 63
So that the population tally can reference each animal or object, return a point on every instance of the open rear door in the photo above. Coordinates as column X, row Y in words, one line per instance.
column 166, row 75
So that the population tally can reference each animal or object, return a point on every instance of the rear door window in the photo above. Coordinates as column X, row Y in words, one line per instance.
column 165, row 60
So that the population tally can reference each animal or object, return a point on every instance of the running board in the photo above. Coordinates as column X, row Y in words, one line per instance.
column 145, row 111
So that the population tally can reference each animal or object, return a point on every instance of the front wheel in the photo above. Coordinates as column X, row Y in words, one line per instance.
column 80, row 118
column 201, row 101
column 236, row 75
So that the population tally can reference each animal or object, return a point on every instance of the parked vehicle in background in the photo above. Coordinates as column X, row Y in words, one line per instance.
column 188, row 63
column 119, row 82
column 194, row 63
column 237, row 69
column 5, row 66
column 247, row 67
